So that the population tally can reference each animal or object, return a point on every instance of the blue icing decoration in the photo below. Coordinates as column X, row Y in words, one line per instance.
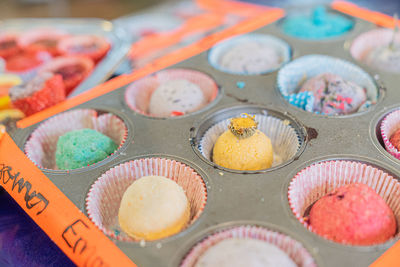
column 303, row 100
column 240, row 85
column 319, row 25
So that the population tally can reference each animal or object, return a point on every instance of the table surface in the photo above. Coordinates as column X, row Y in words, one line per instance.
column 22, row 242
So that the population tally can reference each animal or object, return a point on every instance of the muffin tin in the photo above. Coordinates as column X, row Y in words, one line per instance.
column 235, row 198
column 114, row 34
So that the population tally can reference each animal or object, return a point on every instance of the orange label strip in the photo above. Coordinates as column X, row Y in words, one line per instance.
column 363, row 13
column 243, row 27
column 59, row 218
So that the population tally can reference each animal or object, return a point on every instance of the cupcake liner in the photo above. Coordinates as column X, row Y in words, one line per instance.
column 390, row 124
column 138, row 94
column 303, row 100
column 366, row 42
column 41, row 145
column 285, row 141
column 26, row 39
column 104, row 197
column 317, row 180
column 280, row 46
column 291, row 247
column 28, row 75
column 293, row 75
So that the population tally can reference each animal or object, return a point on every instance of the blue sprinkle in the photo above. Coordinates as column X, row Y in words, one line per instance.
column 116, row 232
column 240, row 85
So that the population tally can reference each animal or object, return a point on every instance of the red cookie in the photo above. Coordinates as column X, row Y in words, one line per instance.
column 353, row 214
column 73, row 70
column 25, row 61
column 92, row 46
column 8, row 45
column 42, row 40
column 43, row 91
column 395, row 139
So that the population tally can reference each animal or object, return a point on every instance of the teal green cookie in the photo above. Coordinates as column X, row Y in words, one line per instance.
column 81, row 148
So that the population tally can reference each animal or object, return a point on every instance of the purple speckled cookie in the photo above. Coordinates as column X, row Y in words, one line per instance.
column 334, row 95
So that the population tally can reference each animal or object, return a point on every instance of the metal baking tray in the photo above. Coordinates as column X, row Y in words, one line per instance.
column 258, row 198
column 119, row 41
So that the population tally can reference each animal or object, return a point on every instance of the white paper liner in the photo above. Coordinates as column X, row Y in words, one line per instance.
column 291, row 76
column 390, row 124
column 41, row 145
column 284, row 139
column 291, row 247
column 138, row 94
column 104, row 198
column 280, row 46
column 317, row 180
column 368, row 41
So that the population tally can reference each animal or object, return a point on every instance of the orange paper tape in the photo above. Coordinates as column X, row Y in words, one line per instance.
column 59, row 218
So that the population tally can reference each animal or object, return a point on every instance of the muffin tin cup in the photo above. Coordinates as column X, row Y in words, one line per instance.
column 390, row 124
column 291, row 77
column 284, row 138
column 138, row 94
column 317, row 180
column 280, row 46
column 291, row 247
column 28, row 75
column 367, row 41
column 42, row 143
column 104, row 197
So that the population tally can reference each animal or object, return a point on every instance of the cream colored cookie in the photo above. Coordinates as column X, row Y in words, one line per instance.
column 153, row 207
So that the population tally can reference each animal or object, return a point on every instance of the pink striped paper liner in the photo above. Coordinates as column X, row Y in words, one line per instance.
column 291, row 247
column 41, row 145
column 104, row 197
column 138, row 94
column 368, row 41
column 26, row 38
column 390, row 124
column 319, row 179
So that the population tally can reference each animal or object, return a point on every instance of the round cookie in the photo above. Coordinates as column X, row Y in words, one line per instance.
column 333, row 95
column 243, row 147
column 80, row 148
column 176, row 97
column 236, row 252
column 395, row 139
column 153, row 207
column 250, row 57
column 353, row 214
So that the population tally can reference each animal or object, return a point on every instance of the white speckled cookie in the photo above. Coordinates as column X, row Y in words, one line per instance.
column 176, row 97
column 251, row 57
column 236, row 252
